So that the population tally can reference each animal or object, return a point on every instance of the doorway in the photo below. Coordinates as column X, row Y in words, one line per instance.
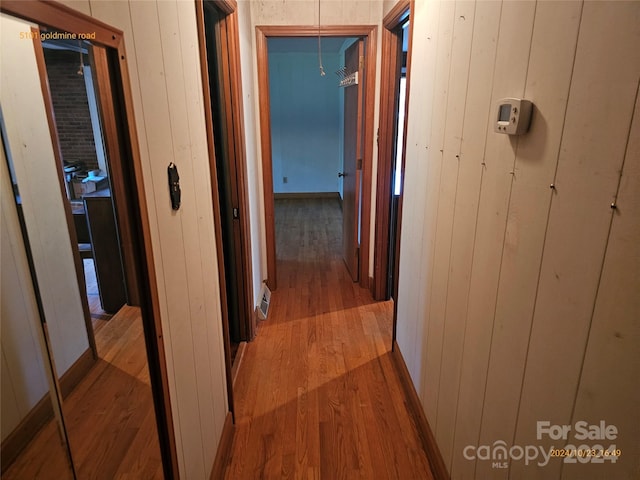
column 396, row 42
column 314, row 167
column 363, row 147
column 217, row 24
column 396, row 39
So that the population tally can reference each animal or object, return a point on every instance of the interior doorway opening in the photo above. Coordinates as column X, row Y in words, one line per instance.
column 360, row 168
column 308, row 138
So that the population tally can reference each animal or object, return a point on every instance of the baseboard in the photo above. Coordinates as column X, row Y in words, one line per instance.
column 235, row 368
column 76, row 372
column 223, row 454
column 30, row 425
column 299, row 195
column 42, row 412
column 438, row 467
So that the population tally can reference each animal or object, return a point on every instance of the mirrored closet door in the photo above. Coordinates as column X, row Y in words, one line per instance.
column 76, row 390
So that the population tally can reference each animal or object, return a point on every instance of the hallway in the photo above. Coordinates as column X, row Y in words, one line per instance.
column 317, row 395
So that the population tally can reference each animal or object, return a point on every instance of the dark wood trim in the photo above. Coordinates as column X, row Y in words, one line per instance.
column 265, row 147
column 436, row 462
column 392, row 19
column 385, row 164
column 369, row 33
column 391, row 57
column 57, row 153
column 115, row 155
column 223, row 454
column 55, row 15
column 226, row 6
column 312, row 31
column 217, row 220
column 237, row 117
column 396, row 272
column 28, row 428
column 367, row 163
column 237, row 363
column 76, row 372
column 58, row 16
column 293, row 195
column 42, row 412
column 236, row 112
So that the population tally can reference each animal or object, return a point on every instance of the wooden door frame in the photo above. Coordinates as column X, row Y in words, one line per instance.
column 235, row 128
column 129, row 194
column 391, row 56
column 368, row 32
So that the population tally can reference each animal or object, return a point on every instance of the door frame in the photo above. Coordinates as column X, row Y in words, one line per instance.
column 128, row 193
column 368, row 32
column 391, row 58
column 235, row 127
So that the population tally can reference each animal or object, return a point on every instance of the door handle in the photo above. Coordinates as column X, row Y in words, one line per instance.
column 341, row 174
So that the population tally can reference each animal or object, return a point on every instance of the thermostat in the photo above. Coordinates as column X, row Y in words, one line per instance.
column 513, row 116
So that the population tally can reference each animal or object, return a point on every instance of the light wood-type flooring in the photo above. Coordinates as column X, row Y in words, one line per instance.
column 317, row 394
column 109, row 415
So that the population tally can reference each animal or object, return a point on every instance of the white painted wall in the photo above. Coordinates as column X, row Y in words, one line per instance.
column 516, row 300
column 305, row 122
column 164, row 66
column 34, row 164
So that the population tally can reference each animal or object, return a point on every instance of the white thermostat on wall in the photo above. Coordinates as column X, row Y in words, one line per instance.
column 513, row 116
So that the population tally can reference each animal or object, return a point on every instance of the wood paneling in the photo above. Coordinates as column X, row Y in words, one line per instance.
column 463, row 20
column 612, row 356
column 592, row 152
column 430, row 227
column 475, row 341
column 503, row 316
column 410, row 287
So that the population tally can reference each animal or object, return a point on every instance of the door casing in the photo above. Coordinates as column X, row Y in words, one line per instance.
column 235, row 139
column 391, row 61
column 368, row 32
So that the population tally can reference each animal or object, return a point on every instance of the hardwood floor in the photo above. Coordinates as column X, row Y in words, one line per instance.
column 109, row 415
column 318, row 395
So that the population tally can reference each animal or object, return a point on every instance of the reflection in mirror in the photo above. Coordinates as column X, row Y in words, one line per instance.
column 27, row 380
column 97, row 344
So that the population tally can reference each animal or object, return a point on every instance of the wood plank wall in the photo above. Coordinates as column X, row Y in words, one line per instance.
column 162, row 48
column 518, row 302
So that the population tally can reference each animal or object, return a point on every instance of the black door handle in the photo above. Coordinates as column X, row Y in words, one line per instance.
column 341, row 174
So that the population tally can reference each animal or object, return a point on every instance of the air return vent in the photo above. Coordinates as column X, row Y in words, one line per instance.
column 263, row 306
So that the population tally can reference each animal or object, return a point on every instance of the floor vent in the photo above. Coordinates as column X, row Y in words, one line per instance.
column 263, row 307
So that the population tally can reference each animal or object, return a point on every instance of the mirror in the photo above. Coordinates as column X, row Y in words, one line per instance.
column 58, row 175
